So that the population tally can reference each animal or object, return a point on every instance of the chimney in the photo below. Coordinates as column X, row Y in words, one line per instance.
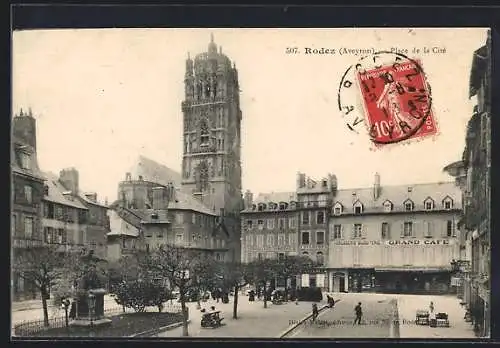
column 332, row 179
column 69, row 179
column 128, row 177
column 376, row 186
column 91, row 196
column 248, row 199
column 159, row 198
column 301, row 180
column 24, row 128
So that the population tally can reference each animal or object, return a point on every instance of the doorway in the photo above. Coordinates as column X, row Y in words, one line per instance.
column 341, row 284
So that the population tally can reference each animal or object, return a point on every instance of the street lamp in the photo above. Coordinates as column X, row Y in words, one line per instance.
column 65, row 305
column 91, row 308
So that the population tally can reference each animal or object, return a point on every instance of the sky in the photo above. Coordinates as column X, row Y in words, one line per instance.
column 102, row 97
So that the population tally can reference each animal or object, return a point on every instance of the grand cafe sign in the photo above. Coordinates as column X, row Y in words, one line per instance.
column 394, row 242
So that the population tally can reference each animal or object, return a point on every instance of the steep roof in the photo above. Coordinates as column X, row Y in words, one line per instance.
column 185, row 201
column 275, row 197
column 397, row 195
column 86, row 200
column 56, row 190
column 155, row 172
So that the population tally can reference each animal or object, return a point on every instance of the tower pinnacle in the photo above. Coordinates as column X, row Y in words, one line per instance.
column 212, row 47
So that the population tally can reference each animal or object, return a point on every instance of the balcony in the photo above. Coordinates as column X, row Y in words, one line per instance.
column 313, row 246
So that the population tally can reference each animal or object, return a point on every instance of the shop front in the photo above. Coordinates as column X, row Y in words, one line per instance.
column 412, row 281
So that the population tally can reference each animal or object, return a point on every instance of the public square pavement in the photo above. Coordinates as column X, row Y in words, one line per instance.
column 407, row 306
column 338, row 322
column 253, row 319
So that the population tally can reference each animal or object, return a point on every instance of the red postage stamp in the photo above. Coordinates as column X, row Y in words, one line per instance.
column 397, row 102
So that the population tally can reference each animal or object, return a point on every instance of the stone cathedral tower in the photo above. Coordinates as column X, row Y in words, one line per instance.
column 211, row 162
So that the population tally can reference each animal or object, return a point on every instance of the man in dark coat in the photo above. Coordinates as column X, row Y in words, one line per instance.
column 359, row 313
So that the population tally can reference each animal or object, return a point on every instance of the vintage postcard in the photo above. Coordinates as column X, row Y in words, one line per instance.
column 251, row 183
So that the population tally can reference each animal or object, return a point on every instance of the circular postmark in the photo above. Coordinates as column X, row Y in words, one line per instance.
column 389, row 94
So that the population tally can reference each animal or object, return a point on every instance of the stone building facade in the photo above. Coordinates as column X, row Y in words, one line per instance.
column 394, row 238
column 26, row 198
column 473, row 176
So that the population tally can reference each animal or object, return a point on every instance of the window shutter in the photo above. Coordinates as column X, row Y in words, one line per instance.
column 342, row 232
column 444, row 230
column 363, row 231
column 353, row 231
column 402, row 229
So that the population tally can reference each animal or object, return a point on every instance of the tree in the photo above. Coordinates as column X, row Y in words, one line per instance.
column 181, row 266
column 44, row 267
column 139, row 294
column 235, row 275
column 291, row 266
column 262, row 271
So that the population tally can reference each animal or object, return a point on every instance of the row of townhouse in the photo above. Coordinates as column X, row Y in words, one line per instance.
column 382, row 238
column 47, row 209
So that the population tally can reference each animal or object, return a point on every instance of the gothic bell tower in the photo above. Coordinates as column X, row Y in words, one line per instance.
column 211, row 167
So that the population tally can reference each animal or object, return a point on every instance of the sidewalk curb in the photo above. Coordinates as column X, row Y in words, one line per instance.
column 300, row 322
column 152, row 332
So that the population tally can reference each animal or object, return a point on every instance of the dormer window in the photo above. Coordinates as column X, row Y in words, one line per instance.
column 262, row 207
column 429, row 204
column 293, row 205
column 337, row 209
column 324, row 183
column 409, row 205
column 254, row 207
column 283, row 206
column 25, row 160
column 387, row 206
column 447, row 203
column 358, row 207
column 46, row 190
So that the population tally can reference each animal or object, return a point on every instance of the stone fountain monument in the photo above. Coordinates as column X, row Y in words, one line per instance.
column 90, row 295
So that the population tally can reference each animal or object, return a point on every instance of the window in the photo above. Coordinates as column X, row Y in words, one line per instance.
column 305, row 253
column 281, row 239
column 409, row 205
column 358, row 228
column 320, row 258
column 385, row 231
column 337, row 209
column 204, row 134
column 13, row 224
column 408, row 229
column 193, row 218
column 320, row 237
column 449, row 229
column 337, row 231
column 260, row 241
column 179, row 218
column 217, row 256
column 270, row 224
column 305, row 218
column 28, row 193
column 292, row 239
column 270, row 240
column 249, row 224
column 25, row 160
column 387, row 206
column 249, row 240
column 283, row 206
column 305, row 238
column 281, row 256
column 28, row 227
column 358, row 208
column 320, row 218
column 179, row 238
column 259, row 256
column 260, row 224
column 448, row 205
column 427, row 229
column 281, row 223
column 292, row 222
column 159, row 235
column 429, row 204
column 262, row 207
column 148, row 233
column 92, row 245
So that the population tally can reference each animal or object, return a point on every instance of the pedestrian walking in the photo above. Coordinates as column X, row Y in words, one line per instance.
column 432, row 315
column 315, row 312
column 359, row 313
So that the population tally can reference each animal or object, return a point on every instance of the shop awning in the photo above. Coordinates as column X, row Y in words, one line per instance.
column 413, row 269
